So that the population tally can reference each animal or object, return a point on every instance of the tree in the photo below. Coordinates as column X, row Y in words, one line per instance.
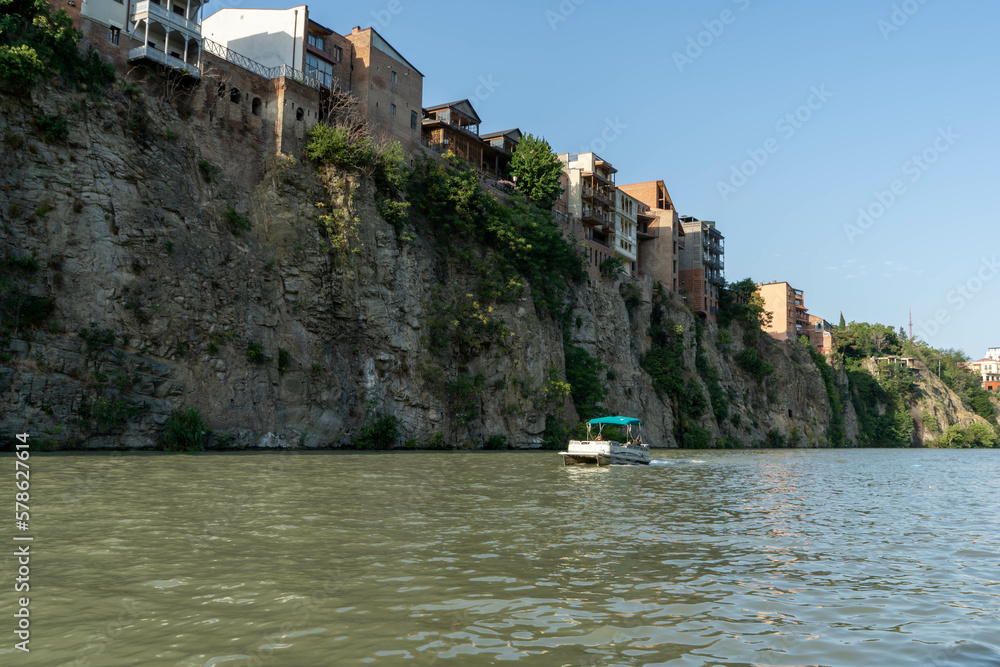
column 843, row 323
column 742, row 302
column 878, row 340
column 537, row 170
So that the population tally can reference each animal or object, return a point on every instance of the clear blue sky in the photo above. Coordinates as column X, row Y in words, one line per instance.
column 581, row 72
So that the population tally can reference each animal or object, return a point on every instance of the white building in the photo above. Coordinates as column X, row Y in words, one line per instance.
column 271, row 37
column 169, row 31
column 625, row 240
column 993, row 353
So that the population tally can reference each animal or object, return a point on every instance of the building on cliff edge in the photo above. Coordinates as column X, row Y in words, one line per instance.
column 702, row 265
column 659, row 235
column 989, row 369
column 275, row 72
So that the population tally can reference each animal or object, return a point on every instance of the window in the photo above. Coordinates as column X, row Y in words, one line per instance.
column 315, row 40
column 392, row 109
column 413, row 120
column 113, row 35
column 393, row 77
column 300, row 114
column 320, row 69
column 234, row 96
column 338, row 54
column 255, row 106
column 178, row 10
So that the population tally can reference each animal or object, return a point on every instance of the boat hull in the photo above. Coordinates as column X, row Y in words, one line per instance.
column 604, row 453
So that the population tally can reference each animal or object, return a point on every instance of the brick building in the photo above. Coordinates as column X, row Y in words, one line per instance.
column 702, row 265
column 659, row 234
column 820, row 334
column 390, row 89
column 288, row 43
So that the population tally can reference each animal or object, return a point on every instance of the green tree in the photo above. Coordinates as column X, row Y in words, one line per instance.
column 537, row 170
column 742, row 302
column 843, row 322
column 34, row 40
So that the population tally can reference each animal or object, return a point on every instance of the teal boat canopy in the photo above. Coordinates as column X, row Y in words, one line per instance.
column 622, row 421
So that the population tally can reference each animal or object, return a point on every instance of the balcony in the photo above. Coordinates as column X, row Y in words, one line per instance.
column 599, row 176
column 644, row 232
column 599, row 196
column 714, row 262
column 149, row 53
column 146, row 10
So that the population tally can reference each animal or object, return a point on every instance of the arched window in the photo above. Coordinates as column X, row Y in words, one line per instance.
column 222, row 90
column 234, row 95
column 300, row 114
column 255, row 106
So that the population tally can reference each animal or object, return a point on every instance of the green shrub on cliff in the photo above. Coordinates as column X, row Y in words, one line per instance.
column 34, row 41
column 583, row 372
column 184, row 431
column 750, row 360
column 742, row 302
column 835, row 431
column 975, row 435
column 524, row 239
column 380, row 433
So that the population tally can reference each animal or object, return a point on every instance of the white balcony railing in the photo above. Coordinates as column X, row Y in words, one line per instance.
column 146, row 9
column 149, row 52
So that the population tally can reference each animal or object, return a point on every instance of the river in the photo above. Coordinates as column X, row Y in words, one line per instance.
column 815, row 557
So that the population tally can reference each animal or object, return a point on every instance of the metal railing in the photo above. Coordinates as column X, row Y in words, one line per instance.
column 281, row 71
column 145, row 8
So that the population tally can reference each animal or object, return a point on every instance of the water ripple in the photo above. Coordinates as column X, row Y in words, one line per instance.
column 727, row 558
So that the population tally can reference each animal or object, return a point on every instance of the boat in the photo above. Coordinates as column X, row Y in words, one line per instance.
column 595, row 450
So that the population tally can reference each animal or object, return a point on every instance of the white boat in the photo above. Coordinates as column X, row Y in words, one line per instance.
column 595, row 450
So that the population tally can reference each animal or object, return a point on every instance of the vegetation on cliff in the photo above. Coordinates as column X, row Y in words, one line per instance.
column 34, row 42
column 882, row 399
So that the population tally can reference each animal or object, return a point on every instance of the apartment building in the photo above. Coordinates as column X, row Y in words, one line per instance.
column 625, row 239
column 702, row 265
column 590, row 204
column 993, row 353
column 659, row 234
column 789, row 315
column 165, row 32
column 289, row 43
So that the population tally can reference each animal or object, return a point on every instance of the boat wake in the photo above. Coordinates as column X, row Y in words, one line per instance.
column 673, row 462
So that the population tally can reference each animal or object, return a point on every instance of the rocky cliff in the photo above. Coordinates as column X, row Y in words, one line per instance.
column 154, row 262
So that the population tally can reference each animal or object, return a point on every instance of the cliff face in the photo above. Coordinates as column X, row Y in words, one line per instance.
column 935, row 407
column 163, row 298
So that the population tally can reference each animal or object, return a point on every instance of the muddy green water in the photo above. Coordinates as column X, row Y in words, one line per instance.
column 729, row 558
